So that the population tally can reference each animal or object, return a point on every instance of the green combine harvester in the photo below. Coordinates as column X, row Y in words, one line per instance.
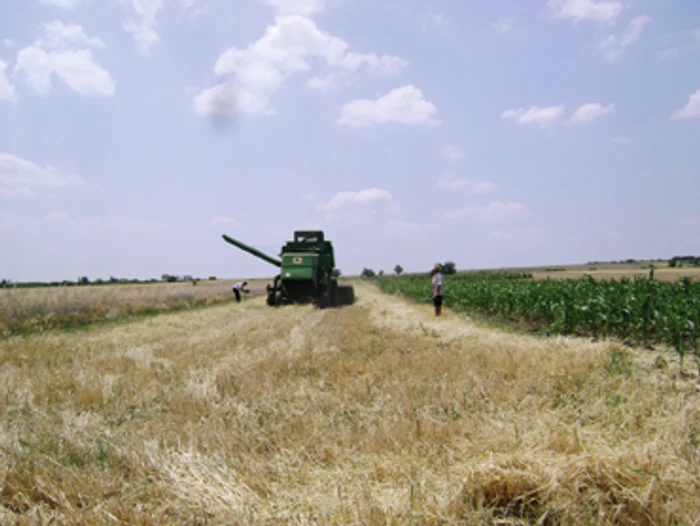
column 307, row 272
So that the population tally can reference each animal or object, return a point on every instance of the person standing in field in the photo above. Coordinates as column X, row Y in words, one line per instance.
column 238, row 288
column 437, row 288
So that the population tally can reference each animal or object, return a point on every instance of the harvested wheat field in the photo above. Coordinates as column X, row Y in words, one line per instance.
column 372, row 414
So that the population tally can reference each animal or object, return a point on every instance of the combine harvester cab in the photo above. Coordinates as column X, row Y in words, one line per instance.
column 307, row 271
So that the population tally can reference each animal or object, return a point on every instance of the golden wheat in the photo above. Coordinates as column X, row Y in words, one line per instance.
column 374, row 414
column 24, row 311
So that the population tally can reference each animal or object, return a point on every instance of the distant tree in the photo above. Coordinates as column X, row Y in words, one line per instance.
column 336, row 273
column 380, row 273
column 368, row 273
column 212, row 278
column 112, row 279
column 398, row 269
column 5, row 283
column 187, row 277
column 449, row 268
column 672, row 263
column 83, row 280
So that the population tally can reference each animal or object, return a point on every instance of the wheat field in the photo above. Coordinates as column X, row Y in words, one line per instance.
column 31, row 310
column 376, row 413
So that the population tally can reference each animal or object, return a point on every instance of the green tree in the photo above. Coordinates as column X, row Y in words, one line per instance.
column 368, row 273
column 449, row 268
column 398, row 269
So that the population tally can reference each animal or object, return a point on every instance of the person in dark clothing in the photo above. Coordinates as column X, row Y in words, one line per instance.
column 436, row 286
column 238, row 288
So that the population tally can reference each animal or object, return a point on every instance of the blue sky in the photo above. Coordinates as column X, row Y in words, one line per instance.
column 133, row 133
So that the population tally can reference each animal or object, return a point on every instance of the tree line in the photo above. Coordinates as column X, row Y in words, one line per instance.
column 83, row 281
column 448, row 267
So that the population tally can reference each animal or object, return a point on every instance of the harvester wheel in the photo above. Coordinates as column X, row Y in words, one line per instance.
column 345, row 295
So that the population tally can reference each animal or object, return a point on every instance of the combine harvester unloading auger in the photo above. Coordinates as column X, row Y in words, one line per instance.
column 307, row 272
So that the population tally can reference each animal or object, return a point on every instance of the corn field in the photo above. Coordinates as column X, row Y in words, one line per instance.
column 641, row 311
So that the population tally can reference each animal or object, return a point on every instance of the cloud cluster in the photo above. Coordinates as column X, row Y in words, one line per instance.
column 7, row 90
column 473, row 187
column 249, row 77
column 600, row 11
column 691, row 110
column 22, row 178
column 543, row 117
column 356, row 205
column 142, row 25
column 614, row 47
column 65, row 51
column 550, row 116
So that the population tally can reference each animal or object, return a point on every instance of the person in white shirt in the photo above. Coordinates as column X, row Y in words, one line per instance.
column 437, row 288
column 238, row 288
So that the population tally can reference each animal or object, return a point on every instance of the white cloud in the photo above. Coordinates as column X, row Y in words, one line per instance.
column 20, row 173
column 543, row 117
column 605, row 12
column 452, row 153
column 9, row 42
column 356, row 205
column 322, row 82
column 404, row 105
column 472, row 187
column 297, row 7
column 143, row 24
column 250, row 76
column 587, row 113
column 504, row 25
column 613, row 47
column 677, row 44
column 493, row 212
column 363, row 197
column 691, row 110
column 62, row 4
column 59, row 52
column 7, row 90
column 193, row 10
column 224, row 220
column 308, row 197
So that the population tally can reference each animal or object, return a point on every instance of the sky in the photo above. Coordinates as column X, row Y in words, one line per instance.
column 134, row 133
